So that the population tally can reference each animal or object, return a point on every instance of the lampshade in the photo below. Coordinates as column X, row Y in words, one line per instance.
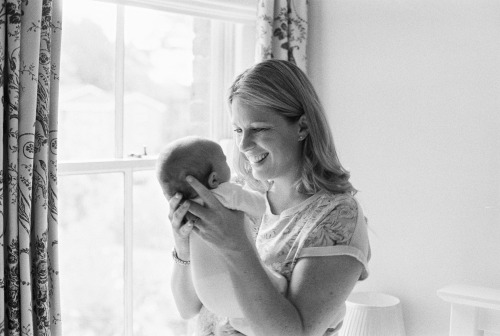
column 373, row 314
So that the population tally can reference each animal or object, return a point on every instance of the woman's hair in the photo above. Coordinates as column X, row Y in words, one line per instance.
column 285, row 89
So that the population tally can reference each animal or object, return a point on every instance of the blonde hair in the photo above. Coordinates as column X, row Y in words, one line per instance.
column 285, row 89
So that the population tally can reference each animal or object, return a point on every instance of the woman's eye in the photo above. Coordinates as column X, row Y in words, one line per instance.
column 254, row 130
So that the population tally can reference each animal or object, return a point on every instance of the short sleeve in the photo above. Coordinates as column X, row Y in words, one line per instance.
column 343, row 231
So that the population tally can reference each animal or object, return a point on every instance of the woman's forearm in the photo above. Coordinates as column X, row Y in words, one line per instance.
column 266, row 310
column 316, row 293
column 187, row 302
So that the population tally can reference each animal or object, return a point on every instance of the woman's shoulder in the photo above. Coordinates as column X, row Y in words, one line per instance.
column 348, row 197
column 325, row 207
column 339, row 229
column 333, row 221
column 328, row 201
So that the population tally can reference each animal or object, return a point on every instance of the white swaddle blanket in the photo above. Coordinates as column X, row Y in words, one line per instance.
column 211, row 277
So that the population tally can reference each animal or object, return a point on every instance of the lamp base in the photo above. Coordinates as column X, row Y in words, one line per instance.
column 373, row 314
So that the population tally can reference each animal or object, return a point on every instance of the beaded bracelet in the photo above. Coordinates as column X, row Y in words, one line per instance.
column 179, row 260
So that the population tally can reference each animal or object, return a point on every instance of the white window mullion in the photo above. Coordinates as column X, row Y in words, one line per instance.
column 128, row 173
column 227, row 77
column 128, row 250
column 220, row 51
column 216, row 80
column 244, row 47
column 119, row 81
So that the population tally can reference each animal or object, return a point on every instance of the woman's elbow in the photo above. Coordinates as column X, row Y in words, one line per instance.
column 188, row 310
column 188, row 313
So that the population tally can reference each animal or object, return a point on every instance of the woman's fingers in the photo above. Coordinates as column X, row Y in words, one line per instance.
column 178, row 215
column 204, row 213
column 199, row 212
column 186, row 229
column 203, row 192
column 182, row 221
column 180, row 224
column 173, row 204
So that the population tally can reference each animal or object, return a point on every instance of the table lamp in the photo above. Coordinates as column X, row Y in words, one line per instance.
column 373, row 314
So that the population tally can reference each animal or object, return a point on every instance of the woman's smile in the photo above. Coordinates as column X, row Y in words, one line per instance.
column 256, row 159
column 268, row 141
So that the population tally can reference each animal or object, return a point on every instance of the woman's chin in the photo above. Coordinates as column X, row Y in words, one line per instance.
column 260, row 175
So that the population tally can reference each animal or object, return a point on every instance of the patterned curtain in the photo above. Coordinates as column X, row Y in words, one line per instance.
column 30, row 39
column 282, row 31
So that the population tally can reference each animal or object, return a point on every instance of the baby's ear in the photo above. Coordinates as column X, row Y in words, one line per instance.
column 213, row 180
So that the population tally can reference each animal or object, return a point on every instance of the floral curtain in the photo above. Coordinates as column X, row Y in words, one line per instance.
column 30, row 38
column 282, row 31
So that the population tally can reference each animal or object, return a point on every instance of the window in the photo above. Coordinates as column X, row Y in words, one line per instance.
column 134, row 76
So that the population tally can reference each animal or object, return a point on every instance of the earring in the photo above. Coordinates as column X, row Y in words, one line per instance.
column 301, row 138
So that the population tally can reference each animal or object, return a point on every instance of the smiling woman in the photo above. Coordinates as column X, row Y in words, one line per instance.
column 312, row 232
column 257, row 95
column 268, row 141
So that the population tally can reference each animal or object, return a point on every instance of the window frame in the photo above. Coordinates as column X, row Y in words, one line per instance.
column 224, row 14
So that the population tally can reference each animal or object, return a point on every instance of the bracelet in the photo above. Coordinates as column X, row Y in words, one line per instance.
column 179, row 260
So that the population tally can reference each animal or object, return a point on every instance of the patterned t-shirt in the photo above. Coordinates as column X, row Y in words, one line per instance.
column 325, row 224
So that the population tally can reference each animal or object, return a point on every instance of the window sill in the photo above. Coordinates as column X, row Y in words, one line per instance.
column 106, row 166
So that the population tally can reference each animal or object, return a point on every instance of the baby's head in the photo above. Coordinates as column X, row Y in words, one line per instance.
column 195, row 156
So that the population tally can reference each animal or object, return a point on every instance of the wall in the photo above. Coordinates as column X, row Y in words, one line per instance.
column 412, row 91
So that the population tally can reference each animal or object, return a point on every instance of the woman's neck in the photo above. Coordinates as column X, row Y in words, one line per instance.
column 282, row 197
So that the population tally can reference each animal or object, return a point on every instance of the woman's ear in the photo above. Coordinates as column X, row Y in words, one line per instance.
column 303, row 128
column 213, row 180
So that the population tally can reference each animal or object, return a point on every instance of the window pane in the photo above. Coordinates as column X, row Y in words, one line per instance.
column 91, row 254
column 86, row 101
column 167, row 74
column 155, row 312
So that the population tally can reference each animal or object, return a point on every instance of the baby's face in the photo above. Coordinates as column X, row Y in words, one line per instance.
column 222, row 168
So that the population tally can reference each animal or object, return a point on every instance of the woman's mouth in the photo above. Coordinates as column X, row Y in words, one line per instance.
column 257, row 158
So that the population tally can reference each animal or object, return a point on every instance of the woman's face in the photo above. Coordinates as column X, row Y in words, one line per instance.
column 269, row 142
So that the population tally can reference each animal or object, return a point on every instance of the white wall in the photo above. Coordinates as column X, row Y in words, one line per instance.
column 412, row 90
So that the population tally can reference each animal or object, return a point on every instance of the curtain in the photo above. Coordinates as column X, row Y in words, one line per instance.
column 282, row 31
column 30, row 36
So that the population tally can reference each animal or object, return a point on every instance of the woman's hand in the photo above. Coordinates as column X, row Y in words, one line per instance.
column 182, row 225
column 217, row 225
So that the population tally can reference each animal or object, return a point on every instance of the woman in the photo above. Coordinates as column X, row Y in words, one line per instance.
column 313, row 231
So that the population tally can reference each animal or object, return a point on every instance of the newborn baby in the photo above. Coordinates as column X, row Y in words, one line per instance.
column 205, row 160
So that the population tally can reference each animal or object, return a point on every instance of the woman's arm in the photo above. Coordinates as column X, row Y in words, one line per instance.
column 318, row 288
column 317, row 291
column 187, row 302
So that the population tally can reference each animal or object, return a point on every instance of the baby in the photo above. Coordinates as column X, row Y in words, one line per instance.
column 205, row 160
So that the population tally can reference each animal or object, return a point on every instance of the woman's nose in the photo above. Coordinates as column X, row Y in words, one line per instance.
column 245, row 141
